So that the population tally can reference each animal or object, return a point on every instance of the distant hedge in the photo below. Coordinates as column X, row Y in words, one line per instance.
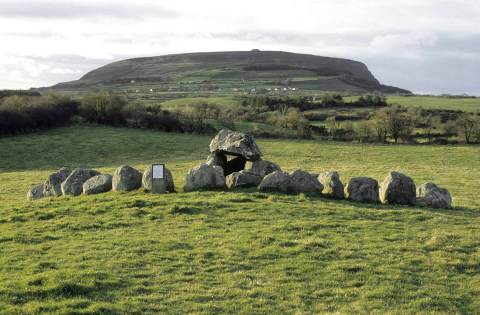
column 19, row 114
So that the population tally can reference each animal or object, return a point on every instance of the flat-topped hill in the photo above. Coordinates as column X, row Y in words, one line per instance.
column 238, row 69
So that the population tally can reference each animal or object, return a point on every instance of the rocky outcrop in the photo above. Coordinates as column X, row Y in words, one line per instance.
column 167, row 177
column 98, row 184
column 126, row 178
column 362, row 189
column 242, row 179
column 204, row 177
column 303, row 182
column 433, row 196
column 53, row 184
column 398, row 188
column 276, row 181
column 262, row 167
column 36, row 192
column 73, row 184
column 332, row 185
column 235, row 143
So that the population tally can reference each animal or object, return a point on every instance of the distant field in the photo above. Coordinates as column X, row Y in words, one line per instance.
column 432, row 102
column 233, row 252
column 227, row 101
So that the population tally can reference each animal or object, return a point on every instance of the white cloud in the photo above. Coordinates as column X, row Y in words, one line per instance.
column 91, row 33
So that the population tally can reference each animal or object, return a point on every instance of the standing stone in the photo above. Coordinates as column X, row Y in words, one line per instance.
column 167, row 177
column 235, row 143
column 126, row 178
column 303, row 182
column 53, row 185
column 332, row 185
column 243, row 179
column 73, row 184
column 204, row 177
column 433, row 196
column 398, row 188
column 362, row 189
column 262, row 167
column 217, row 159
column 36, row 192
column 276, row 181
column 98, row 184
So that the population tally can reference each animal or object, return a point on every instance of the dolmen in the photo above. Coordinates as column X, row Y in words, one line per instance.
column 234, row 162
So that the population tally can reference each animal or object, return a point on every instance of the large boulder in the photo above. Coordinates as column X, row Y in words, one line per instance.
column 243, row 179
column 276, row 181
column 204, row 177
column 398, row 188
column 36, row 192
column 332, row 185
column 262, row 167
column 235, row 143
column 53, row 185
column 362, row 189
column 217, row 159
column 98, row 184
column 73, row 184
column 167, row 176
column 126, row 178
column 303, row 182
column 433, row 196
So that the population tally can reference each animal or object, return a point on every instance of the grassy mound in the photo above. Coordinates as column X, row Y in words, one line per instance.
column 231, row 252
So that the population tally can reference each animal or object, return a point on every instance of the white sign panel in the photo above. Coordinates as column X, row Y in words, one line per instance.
column 157, row 170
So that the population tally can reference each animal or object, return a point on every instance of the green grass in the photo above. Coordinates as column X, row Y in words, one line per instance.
column 233, row 252
column 226, row 101
column 432, row 102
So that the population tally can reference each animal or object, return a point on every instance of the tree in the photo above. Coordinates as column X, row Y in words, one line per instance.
column 467, row 125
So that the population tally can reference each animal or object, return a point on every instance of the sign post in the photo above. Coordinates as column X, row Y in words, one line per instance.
column 158, row 179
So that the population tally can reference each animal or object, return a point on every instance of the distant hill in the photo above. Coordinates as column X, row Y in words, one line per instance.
column 238, row 69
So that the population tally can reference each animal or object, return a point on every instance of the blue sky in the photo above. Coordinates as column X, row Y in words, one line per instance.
column 427, row 46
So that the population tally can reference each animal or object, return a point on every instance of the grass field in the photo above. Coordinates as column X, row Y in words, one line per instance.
column 432, row 102
column 233, row 252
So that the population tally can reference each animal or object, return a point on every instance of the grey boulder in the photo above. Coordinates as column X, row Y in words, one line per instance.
column 73, row 184
column 203, row 177
column 362, row 189
column 398, row 188
column 167, row 177
column 126, row 178
column 235, row 143
column 303, row 182
column 98, row 184
column 53, row 185
column 36, row 192
column 217, row 159
column 243, row 179
column 332, row 185
column 433, row 196
column 276, row 181
column 262, row 167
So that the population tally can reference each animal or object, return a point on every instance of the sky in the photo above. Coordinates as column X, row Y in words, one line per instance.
column 426, row 46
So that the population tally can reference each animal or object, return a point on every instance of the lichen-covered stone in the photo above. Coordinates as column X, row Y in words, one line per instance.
column 398, row 188
column 126, row 178
column 362, row 189
column 98, row 184
column 204, row 177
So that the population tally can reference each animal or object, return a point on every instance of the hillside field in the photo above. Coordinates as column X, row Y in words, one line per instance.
column 233, row 252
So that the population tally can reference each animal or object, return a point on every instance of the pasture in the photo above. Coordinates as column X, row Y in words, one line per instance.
column 233, row 252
